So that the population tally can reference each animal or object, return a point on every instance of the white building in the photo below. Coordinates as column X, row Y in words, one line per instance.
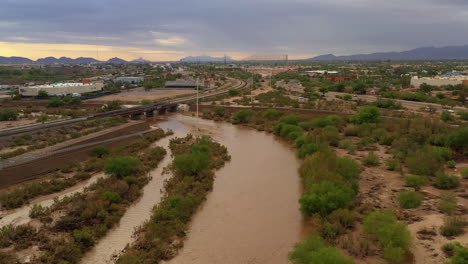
column 132, row 80
column 61, row 89
column 438, row 81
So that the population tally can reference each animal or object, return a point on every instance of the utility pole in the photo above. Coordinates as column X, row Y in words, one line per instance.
column 197, row 97
column 251, row 90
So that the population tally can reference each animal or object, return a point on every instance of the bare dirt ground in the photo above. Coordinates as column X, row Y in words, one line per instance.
column 21, row 122
column 379, row 188
column 138, row 94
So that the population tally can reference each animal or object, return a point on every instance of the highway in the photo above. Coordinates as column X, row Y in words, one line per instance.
column 407, row 104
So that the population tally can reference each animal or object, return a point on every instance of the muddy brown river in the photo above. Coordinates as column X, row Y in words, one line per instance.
column 252, row 215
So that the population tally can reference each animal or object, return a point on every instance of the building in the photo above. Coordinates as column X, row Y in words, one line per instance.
column 320, row 72
column 182, row 84
column 61, row 89
column 446, row 79
column 342, row 78
column 132, row 80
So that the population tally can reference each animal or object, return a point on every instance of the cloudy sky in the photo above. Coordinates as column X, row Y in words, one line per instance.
column 172, row 29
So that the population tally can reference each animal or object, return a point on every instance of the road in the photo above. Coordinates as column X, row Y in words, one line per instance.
column 404, row 103
column 233, row 83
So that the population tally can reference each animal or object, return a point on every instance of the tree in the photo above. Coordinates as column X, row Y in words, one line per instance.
column 416, row 181
column 271, row 114
column 323, row 90
column 192, row 164
column 425, row 88
column 447, row 117
column 243, row 116
column 42, row 94
column 325, row 197
column 100, row 151
column 233, row 92
column 55, row 102
column 359, row 88
column 75, row 101
column 121, row 166
column 367, row 114
column 409, row 199
column 8, row 115
column 347, row 97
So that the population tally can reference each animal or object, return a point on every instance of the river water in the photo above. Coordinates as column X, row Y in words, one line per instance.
column 252, row 215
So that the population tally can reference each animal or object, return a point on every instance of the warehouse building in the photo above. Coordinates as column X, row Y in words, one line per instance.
column 439, row 80
column 62, row 89
column 132, row 80
column 182, row 84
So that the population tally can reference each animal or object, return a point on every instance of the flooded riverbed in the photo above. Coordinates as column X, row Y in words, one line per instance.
column 252, row 215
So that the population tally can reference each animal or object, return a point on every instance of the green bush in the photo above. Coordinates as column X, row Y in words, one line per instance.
column 393, row 164
column 422, row 162
column 313, row 250
column 8, row 115
column 348, row 145
column 460, row 256
column 416, row 181
column 453, row 226
column 367, row 114
column 348, row 168
column 243, row 116
column 448, row 202
column 121, row 166
column 292, row 119
column 307, row 149
column 325, row 197
column 464, row 173
column 271, row 114
column 442, row 154
column 392, row 235
column 112, row 197
column 220, row 111
column 191, row 164
column 99, row 151
column 409, row 199
column 444, row 181
column 371, row 160
column 233, row 92
column 38, row 211
column 55, row 102
column 449, row 248
column 451, row 164
column 447, row 117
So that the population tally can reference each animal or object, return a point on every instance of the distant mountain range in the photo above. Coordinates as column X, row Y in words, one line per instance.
column 205, row 58
column 64, row 60
column 426, row 53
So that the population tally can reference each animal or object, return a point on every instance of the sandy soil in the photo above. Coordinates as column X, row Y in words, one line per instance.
column 22, row 122
column 140, row 94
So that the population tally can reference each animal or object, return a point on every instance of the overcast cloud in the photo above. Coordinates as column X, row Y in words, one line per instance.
column 178, row 28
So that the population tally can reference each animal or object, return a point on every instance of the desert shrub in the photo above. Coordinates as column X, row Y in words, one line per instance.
column 458, row 139
column 451, row 164
column 38, row 211
column 99, row 151
column 409, row 199
column 444, row 181
column 313, row 250
column 191, row 164
column 447, row 117
column 422, row 162
column 55, row 102
column 453, row 226
column 331, row 134
column 8, row 115
column 460, row 256
column 392, row 235
column 348, row 145
column 449, row 248
column 307, row 149
column 367, row 114
column 145, row 102
column 243, row 116
column 287, row 129
column 121, row 166
column 393, row 164
column 233, row 92
column 348, row 168
column 442, row 153
column 416, row 181
column 371, row 160
column 448, row 202
column 325, row 197
column 292, row 119
column 220, row 111
column 271, row 114
column 464, row 173
column 112, row 197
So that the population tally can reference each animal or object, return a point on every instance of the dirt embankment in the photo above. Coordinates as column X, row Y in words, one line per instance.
column 39, row 167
